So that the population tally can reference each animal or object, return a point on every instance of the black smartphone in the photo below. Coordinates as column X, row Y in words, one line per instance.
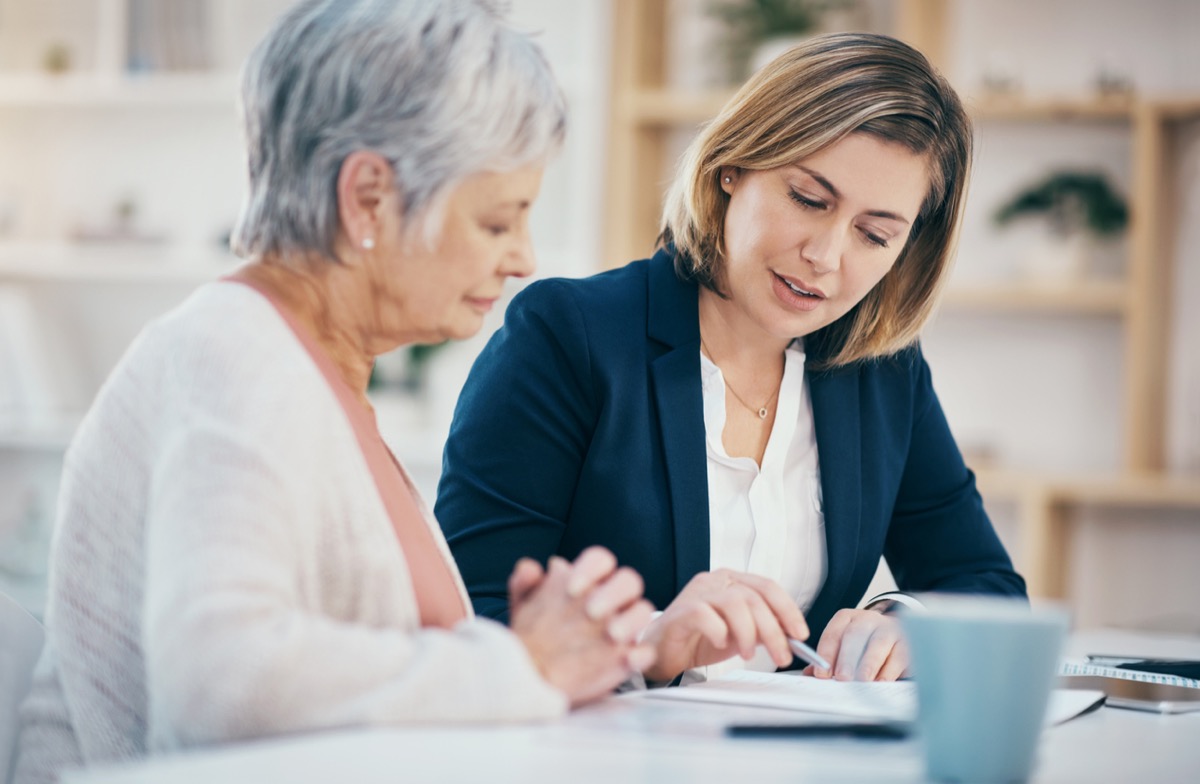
column 891, row 731
column 1180, row 668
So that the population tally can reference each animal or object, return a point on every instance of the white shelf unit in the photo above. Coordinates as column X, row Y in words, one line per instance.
column 99, row 262
column 32, row 91
column 73, row 145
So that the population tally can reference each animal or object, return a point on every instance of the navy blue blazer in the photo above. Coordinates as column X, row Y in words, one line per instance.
column 582, row 423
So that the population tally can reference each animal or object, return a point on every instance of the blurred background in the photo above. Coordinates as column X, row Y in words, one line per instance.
column 1065, row 352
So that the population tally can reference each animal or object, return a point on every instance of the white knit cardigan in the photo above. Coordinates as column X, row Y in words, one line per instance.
column 223, row 567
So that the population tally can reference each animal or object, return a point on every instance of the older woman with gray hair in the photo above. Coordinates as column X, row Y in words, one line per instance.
column 237, row 553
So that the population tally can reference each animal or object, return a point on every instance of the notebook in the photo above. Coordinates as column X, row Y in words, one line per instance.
column 1108, row 668
column 1157, row 692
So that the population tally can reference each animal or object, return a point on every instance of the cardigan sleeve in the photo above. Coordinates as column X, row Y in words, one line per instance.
column 940, row 537
column 517, row 446
column 234, row 649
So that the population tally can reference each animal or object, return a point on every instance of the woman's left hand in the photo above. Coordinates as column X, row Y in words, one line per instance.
column 863, row 645
column 580, row 622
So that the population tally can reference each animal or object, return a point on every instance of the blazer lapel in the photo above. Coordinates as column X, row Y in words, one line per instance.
column 673, row 323
column 839, row 446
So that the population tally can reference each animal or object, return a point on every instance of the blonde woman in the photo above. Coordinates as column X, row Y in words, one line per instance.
column 237, row 554
column 747, row 418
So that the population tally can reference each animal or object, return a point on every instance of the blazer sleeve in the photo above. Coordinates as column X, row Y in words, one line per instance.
column 520, row 436
column 940, row 537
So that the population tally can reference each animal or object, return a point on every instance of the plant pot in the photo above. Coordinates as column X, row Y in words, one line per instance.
column 1057, row 258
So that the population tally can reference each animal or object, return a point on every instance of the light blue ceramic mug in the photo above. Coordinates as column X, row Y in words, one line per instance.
column 984, row 669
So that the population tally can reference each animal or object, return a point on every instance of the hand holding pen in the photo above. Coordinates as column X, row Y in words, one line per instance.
column 809, row 655
column 721, row 614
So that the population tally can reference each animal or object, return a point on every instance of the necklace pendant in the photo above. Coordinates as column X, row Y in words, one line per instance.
column 762, row 413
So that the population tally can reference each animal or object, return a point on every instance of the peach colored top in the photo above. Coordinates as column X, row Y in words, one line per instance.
column 437, row 594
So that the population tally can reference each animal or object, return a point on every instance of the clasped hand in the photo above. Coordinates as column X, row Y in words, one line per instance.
column 725, row 613
column 581, row 621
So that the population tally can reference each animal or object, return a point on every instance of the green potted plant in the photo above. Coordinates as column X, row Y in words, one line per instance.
column 1076, row 208
column 757, row 31
column 406, row 369
column 416, row 378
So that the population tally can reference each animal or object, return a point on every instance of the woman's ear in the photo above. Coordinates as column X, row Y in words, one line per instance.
column 365, row 183
column 728, row 178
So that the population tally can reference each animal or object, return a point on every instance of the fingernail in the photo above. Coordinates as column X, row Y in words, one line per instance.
column 595, row 609
column 617, row 632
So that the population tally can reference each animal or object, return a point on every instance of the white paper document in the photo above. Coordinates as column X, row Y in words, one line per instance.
column 882, row 701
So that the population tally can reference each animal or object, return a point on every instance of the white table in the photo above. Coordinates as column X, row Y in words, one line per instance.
column 658, row 741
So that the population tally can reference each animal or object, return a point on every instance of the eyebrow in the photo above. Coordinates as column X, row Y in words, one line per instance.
column 512, row 205
column 827, row 185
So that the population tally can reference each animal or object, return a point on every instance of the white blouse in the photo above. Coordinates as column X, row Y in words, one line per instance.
column 767, row 519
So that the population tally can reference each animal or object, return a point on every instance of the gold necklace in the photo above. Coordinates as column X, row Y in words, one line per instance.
column 761, row 410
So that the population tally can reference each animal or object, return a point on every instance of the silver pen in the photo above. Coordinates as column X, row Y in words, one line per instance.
column 808, row 654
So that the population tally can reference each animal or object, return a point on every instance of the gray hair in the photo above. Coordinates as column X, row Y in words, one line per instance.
column 443, row 89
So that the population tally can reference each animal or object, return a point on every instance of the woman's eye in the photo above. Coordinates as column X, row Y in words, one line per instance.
column 874, row 239
column 498, row 231
column 804, row 201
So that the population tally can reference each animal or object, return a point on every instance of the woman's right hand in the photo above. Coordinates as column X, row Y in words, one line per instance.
column 581, row 621
column 721, row 614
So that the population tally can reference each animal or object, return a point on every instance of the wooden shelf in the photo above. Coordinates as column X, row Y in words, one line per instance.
column 664, row 107
column 1102, row 298
column 1047, row 513
column 1136, row 490
column 667, row 107
column 1178, row 108
column 1123, row 490
column 1052, row 109
column 1090, row 109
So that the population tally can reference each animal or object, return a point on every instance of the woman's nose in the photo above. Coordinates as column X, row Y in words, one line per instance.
column 823, row 250
column 520, row 262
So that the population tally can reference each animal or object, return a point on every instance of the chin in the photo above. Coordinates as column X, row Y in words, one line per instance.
column 464, row 329
column 790, row 328
column 798, row 326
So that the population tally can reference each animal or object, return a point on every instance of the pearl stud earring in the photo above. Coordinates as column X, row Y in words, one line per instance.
column 728, row 179
column 368, row 243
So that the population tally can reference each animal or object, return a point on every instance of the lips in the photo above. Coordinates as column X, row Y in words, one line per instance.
column 482, row 303
column 801, row 288
column 796, row 296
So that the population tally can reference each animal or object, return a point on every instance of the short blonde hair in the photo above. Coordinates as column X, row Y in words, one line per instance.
column 804, row 101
